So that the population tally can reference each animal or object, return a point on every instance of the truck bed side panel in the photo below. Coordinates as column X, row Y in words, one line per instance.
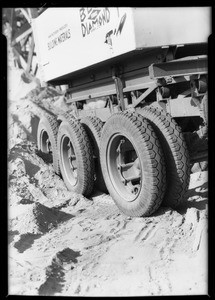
column 71, row 39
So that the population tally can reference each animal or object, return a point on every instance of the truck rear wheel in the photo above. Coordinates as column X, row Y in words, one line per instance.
column 175, row 154
column 132, row 164
column 93, row 127
column 47, row 139
column 75, row 156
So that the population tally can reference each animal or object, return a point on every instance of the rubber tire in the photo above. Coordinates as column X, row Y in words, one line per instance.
column 50, row 125
column 142, row 136
column 93, row 127
column 175, row 153
column 84, row 155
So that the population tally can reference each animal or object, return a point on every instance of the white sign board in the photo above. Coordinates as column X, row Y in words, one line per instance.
column 70, row 39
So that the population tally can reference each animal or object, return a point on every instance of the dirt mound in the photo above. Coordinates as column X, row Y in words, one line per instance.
column 61, row 243
column 36, row 218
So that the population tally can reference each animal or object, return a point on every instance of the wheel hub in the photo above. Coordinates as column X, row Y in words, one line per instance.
column 69, row 160
column 124, row 167
column 45, row 142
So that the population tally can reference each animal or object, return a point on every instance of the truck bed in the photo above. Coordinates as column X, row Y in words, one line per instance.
column 71, row 39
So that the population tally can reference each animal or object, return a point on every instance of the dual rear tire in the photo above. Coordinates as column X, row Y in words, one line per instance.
column 132, row 164
column 47, row 139
column 139, row 157
column 78, row 147
column 75, row 156
column 175, row 153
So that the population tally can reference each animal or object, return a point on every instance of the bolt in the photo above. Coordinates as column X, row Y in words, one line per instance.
column 135, row 190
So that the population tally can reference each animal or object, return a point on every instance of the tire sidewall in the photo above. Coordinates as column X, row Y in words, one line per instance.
column 93, row 134
column 122, row 126
column 175, row 154
column 95, row 137
column 41, row 127
column 44, row 125
column 66, row 129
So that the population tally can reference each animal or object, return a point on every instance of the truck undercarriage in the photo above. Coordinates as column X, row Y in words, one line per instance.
column 137, row 124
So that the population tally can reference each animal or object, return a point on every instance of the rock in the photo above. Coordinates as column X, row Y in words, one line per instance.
column 192, row 216
column 61, row 104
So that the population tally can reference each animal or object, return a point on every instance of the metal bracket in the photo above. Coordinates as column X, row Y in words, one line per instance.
column 119, row 88
column 145, row 94
column 180, row 67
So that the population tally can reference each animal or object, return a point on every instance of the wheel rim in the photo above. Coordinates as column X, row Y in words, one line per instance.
column 45, row 144
column 69, row 160
column 123, row 167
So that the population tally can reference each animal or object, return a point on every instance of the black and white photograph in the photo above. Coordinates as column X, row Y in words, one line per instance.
column 107, row 155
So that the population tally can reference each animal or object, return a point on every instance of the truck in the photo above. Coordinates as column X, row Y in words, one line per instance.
column 137, row 90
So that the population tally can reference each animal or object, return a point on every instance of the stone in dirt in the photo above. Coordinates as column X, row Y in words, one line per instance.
column 37, row 218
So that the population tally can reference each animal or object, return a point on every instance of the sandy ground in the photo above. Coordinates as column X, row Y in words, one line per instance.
column 61, row 243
